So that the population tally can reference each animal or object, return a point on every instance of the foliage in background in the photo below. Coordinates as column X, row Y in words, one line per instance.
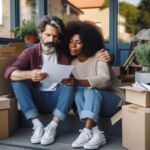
column 106, row 4
column 27, row 28
column 144, row 5
column 137, row 18
column 143, row 55
column 130, row 12
column 143, row 20
column 31, row 3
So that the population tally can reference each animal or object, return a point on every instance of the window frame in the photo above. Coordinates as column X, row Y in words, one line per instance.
column 119, row 50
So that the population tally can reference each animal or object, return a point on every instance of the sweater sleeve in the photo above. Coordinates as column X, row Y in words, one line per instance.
column 102, row 79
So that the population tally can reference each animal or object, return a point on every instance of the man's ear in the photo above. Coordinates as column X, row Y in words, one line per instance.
column 40, row 34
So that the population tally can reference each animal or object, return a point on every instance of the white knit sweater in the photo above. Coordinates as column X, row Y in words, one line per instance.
column 98, row 73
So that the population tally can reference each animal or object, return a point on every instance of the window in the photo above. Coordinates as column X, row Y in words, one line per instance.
column 96, row 11
column 4, row 18
column 1, row 12
column 133, row 17
column 28, row 10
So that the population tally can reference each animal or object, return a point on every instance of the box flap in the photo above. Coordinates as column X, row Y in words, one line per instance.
column 116, row 117
column 132, row 88
column 4, row 103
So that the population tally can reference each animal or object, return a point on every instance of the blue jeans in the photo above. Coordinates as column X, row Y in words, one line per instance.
column 92, row 103
column 32, row 101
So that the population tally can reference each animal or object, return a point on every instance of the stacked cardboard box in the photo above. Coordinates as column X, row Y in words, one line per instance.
column 136, row 119
column 8, row 116
column 8, row 106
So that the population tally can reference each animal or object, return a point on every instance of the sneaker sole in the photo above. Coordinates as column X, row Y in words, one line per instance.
column 77, row 146
column 95, row 146
column 37, row 141
column 48, row 143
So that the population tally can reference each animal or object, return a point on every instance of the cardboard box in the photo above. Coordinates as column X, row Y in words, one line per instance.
column 5, row 86
column 137, row 96
column 8, row 117
column 136, row 127
column 4, row 103
column 7, row 56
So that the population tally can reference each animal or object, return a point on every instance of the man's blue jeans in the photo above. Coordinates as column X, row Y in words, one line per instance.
column 92, row 103
column 32, row 101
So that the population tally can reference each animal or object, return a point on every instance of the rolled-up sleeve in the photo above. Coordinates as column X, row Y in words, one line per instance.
column 21, row 63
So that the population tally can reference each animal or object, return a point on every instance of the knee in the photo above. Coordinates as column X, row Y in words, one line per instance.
column 93, row 92
column 20, row 84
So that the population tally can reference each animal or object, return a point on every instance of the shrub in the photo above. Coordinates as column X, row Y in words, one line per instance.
column 142, row 51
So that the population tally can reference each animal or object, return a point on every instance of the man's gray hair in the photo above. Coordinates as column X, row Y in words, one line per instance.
column 53, row 21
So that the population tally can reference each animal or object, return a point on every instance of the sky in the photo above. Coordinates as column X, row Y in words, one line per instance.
column 134, row 2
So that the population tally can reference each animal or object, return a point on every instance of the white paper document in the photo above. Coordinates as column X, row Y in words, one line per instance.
column 142, row 86
column 57, row 72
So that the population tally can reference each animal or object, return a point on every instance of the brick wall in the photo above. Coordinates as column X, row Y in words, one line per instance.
column 5, row 27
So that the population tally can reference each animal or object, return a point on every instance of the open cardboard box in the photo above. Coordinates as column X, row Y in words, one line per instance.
column 137, row 96
column 8, row 116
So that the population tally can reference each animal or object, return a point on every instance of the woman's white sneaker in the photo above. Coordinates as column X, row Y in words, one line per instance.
column 97, row 140
column 83, row 138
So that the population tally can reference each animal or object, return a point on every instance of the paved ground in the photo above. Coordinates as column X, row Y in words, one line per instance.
column 20, row 140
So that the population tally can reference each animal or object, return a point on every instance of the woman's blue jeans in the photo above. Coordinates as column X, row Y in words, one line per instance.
column 32, row 101
column 92, row 103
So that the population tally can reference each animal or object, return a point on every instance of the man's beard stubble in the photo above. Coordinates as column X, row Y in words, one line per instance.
column 48, row 48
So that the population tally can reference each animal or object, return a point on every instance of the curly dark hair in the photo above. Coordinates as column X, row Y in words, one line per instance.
column 90, row 35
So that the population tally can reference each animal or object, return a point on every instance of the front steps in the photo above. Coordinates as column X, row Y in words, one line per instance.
column 72, row 124
column 67, row 132
column 20, row 140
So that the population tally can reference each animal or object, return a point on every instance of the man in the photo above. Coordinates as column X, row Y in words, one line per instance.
column 28, row 83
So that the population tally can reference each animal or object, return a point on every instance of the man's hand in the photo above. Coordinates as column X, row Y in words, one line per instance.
column 104, row 55
column 37, row 75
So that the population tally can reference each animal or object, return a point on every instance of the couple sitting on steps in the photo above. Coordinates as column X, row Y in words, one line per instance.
column 93, row 85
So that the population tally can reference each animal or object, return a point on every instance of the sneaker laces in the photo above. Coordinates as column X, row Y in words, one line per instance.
column 98, row 135
column 48, row 129
column 85, row 133
column 37, row 130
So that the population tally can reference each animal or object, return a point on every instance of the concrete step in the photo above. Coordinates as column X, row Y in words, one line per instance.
column 72, row 124
column 20, row 140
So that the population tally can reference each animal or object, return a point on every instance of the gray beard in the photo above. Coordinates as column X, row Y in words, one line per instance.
column 47, row 50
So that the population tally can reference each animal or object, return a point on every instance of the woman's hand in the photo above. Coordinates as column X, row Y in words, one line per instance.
column 69, row 81
column 104, row 55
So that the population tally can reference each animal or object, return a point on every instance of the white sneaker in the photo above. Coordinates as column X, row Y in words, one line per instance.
column 49, row 135
column 37, row 134
column 97, row 140
column 83, row 138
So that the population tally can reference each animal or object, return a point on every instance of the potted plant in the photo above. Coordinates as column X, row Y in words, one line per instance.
column 27, row 31
column 142, row 51
column 14, row 32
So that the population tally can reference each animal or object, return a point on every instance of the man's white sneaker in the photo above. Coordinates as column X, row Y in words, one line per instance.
column 83, row 138
column 37, row 134
column 49, row 135
column 97, row 140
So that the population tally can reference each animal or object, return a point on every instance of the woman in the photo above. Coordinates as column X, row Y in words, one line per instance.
column 96, row 86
